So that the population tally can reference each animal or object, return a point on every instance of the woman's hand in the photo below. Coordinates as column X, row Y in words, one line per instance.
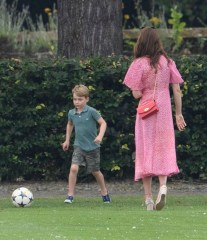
column 180, row 122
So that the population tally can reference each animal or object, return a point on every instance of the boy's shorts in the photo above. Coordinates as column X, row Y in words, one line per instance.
column 88, row 159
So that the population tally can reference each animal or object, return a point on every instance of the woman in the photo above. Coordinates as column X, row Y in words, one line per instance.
column 150, row 74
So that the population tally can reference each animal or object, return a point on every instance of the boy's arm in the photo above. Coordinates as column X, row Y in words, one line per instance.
column 103, row 125
column 69, row 129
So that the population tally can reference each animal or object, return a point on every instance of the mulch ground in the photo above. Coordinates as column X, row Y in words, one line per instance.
column 91, row 189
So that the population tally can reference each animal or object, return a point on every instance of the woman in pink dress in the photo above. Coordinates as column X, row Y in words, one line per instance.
column 150, row 74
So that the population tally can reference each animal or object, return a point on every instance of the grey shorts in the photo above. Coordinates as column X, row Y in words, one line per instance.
column 88, row 159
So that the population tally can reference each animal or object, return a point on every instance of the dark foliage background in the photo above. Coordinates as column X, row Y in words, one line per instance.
column 36, row 7
column 194, row 11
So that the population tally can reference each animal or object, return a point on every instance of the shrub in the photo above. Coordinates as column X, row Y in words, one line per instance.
column 35, row 96
column 191, row 144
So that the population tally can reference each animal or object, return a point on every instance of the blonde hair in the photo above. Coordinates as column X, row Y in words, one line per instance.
column 81, row 90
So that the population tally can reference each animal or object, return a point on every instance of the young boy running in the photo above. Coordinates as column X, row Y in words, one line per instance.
column 84, row 119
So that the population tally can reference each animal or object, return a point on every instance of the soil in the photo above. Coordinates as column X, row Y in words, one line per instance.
column 91, row 189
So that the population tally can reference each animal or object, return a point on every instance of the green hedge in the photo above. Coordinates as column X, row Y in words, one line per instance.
column 35, row 96
column 192, row 143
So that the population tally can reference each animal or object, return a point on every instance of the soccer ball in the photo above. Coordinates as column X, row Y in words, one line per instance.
column 22, row 197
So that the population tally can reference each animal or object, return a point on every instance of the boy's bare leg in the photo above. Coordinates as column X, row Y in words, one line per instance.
column 72, row 179
column 100, row 180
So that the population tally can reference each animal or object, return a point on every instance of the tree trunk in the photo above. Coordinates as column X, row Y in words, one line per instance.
column 89, row 28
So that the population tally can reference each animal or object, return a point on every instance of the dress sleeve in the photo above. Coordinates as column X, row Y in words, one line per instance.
column 133, row 77
column 175, row 76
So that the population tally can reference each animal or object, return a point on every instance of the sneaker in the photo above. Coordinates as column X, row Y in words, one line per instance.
column 161, row 198
column 106, row 198
column 69, row 199
column 149, row 204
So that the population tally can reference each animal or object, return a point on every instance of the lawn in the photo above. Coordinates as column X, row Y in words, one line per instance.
column 184, row 217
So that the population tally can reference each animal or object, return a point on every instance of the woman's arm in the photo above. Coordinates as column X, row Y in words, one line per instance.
column 136, row 94
column 178, row 107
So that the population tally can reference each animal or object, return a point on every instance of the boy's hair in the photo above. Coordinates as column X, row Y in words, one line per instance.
column 81, row 90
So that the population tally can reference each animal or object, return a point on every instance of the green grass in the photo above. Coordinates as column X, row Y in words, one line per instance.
column 184, row 217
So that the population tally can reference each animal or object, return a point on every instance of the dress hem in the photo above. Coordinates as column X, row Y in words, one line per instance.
column 154, row 175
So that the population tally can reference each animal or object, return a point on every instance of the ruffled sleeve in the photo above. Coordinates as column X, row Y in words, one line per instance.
column 133, row 78
column 175, row 76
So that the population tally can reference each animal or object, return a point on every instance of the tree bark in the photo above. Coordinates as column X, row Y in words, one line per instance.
column 89, row 28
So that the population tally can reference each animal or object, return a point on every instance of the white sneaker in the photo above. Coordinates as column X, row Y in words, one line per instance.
column 149, row 204
column 161, row 198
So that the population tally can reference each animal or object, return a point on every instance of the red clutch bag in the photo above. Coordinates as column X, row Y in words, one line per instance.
column 147, row 109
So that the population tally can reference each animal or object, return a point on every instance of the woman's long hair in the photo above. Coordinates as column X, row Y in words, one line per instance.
column 149, row 45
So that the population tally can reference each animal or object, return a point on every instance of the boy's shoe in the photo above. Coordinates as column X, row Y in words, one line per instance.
column 106, row 198
column 69, row 199
column 161, row 198
column 149, row 204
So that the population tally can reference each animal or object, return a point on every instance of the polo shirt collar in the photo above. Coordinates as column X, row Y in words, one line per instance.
column 85, row 109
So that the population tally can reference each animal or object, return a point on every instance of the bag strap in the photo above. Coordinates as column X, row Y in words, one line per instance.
column 155, row 87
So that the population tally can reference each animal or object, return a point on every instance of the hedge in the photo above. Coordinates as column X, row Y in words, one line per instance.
column 35, row 96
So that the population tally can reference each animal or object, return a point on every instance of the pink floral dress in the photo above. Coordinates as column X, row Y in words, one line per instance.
column 154, row 136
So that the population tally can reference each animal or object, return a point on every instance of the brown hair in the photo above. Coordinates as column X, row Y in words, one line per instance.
column 81, row 91
column 148, row 44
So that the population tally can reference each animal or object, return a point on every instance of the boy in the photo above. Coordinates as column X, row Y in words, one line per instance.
column 84, row 119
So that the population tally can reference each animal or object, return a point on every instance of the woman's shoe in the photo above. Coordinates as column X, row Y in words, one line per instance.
column 161, row 198
column 149, row 204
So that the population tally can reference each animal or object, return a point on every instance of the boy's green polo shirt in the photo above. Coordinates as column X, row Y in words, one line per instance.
column 85, row 124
